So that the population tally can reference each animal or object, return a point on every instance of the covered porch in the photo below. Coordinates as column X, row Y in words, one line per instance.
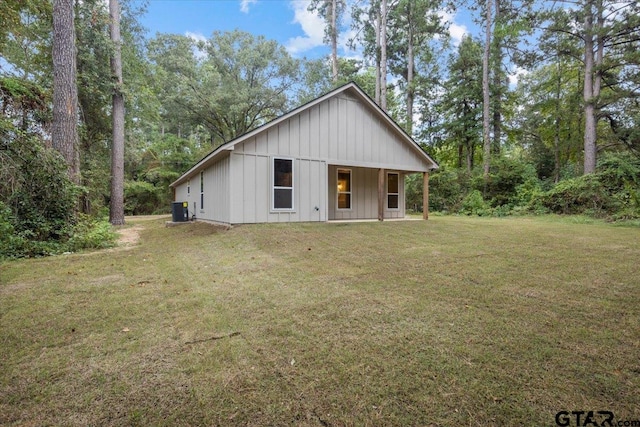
column 364, row 193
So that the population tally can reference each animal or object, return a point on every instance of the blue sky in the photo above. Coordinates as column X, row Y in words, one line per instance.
column 286, row 21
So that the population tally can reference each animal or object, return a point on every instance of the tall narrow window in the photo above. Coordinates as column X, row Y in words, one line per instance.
column 344, row 189
column 202, row 190
column 282, row 184
column 393, row 190
column 188, row 187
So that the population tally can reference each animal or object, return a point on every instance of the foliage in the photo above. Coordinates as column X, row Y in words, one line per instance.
column 584, row 194
column 611, row 192
column 413, row 189
column 447, row 189
column 140, row 197
column 474, row 204
column 239, row 82
column 461, row 104
column 91, row 233
column 39, row 202
column 11, row 244
column 88, row 233
column 505, row 177
column 39, row 196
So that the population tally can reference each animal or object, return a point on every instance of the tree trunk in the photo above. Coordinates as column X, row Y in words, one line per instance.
column 469, row 146
column 334, row 40
column 116, row 211
column 593, row 57
column 497, row 86
column 378, row 68
column 64, row 129
column 556, row 136
column 410, row 88
column 383, row 56
column 485, row 96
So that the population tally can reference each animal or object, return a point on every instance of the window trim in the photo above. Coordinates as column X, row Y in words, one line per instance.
column 397, row 208
column 350, row 192
column 202, row 191
column 274, row 187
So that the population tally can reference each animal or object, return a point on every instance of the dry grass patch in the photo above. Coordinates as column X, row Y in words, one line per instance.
column 454, row 321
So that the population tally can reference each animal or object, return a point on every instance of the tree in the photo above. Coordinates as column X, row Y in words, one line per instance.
column 414, row 24
column 174, row 74
column 240, row 82
column 549, row 121
column 486, row 137
column 462, row 102
column 371, row 17
column 116, row 211
column 608, row 32
column 37, row 199
column 330, row 11
column 64, row 131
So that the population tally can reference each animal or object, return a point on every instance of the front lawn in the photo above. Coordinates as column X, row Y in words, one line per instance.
column 447, row 322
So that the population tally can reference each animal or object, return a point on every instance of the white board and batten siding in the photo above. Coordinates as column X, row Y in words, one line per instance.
column 343, row 129
column 340, row 130
column 251, row 188
column 217, row 197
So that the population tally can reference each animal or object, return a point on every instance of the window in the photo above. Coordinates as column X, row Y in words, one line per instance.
column 201, row 190
column 282, row 184
column 344, row 189
column 393, row 190
column 188, row 187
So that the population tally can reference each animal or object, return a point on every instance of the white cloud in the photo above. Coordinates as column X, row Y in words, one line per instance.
column 312, row 26
column 456, row 31
column 197, row 37
column 516, row 74
column 347, row 34
column 244, row 5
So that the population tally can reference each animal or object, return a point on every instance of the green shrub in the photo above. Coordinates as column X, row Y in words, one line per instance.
column 618, row 170
column 413, row 188
column 582, row 195
column 140, row 197
column 44, row 200
column 10, row 243
column 447, row 189
column 39, row 200
column 91, row 233
column 505, row 177
column 474, row 204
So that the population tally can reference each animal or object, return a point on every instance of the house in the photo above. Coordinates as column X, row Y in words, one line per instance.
column 338, row 157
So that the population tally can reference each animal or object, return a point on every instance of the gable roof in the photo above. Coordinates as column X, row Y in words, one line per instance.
column 351, row 87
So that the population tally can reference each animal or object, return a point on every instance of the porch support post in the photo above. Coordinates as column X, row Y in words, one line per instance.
column 425, row 195
column 380, row 194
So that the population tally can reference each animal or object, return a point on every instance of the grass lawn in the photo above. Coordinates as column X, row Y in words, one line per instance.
column 447, row 322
